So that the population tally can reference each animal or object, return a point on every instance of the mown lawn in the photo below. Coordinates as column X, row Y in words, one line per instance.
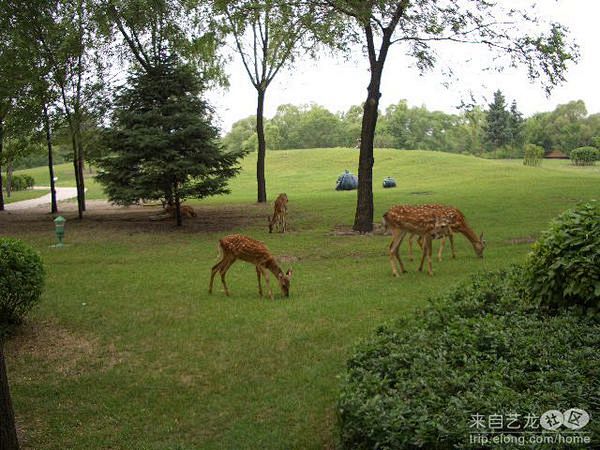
column 127, row 349
column 17, row 196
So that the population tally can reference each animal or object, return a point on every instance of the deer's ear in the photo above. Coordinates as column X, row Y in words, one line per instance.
column 289, row 273
column 481, row 236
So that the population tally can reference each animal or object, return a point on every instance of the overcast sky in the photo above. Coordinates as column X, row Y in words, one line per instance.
column 338, row 84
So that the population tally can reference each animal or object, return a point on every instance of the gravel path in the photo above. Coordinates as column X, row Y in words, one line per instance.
column 62, row 193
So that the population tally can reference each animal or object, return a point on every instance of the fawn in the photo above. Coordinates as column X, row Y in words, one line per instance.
column 279, row 219
column 236, row 247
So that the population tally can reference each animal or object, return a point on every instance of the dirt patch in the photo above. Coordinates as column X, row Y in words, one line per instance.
column 345, row 230
column 421, row 193
column 101, row 215
column 61, row 350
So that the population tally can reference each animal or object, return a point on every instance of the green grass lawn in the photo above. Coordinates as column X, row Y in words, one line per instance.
column 127, row 350
column 17, row 196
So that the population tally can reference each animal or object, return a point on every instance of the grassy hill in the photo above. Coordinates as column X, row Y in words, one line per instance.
column 127, row 349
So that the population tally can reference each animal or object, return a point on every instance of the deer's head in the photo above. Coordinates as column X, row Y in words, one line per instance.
column 284, row 282
column 480, row 246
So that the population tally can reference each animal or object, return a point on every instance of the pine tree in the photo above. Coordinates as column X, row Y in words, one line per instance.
column 516, row 125
column 162, row 144
column 498, row 128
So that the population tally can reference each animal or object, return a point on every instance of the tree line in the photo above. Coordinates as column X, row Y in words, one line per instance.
column 498, row 131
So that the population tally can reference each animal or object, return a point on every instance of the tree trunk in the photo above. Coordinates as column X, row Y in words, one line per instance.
column 363, row 219
column 9, row 177
column 74, row 128
column 77, row 184
column 177, row 206
column 1, row 145
column 81, row 168
column 8, row 431
column 54, row 207
column 80, row 157
column 262, row 148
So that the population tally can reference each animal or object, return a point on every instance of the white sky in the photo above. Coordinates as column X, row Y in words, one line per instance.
column 338, row 84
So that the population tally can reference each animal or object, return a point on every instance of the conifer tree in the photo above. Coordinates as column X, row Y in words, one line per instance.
column 162, row 144
column 516, row 125
column 498, row 126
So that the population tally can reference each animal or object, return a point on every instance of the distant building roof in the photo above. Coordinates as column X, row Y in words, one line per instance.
column 556, row 154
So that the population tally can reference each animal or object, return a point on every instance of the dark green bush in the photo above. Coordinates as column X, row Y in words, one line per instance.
column 564, row 266
column 20, row 182
column 533, row 155
column 585, row 156
column 482, row 349
column 21, row 281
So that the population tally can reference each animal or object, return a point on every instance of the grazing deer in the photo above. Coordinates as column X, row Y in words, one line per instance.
column 279, row 219
column 457, row 223
column 236, row 246
column 186, row 211
column 428, row 222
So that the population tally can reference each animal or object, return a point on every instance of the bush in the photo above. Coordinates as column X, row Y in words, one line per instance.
column 21, row 280
column 483, row 349
column 564, row 266
column 585, row 156
column 20, row 182
column 534, row 155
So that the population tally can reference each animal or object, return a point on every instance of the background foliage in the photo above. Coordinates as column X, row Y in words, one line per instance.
column 409, row 127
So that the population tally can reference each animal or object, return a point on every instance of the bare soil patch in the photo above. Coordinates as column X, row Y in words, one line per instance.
column 61, row 350
column 101, row 215
column 345, row 230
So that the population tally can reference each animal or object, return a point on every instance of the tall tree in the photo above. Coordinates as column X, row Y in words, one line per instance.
column 498, row 131
column 153, row 29
column 269, row 34
column 162, row 144
column 419, row 25
column 516, row 125
column 12, row 78
column 65, row 36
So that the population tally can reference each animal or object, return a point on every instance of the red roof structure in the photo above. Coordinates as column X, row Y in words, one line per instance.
column 556, row 154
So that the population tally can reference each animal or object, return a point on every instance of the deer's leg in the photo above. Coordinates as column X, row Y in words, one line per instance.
column 423, row 254
column 442, row 245
column 265, row 273
column 223, row 271
column 426, row 254
column 428, row 244
column 258, row 272
column 410, row 247
column 216, row 268
column 451, row 237
column 394, row 255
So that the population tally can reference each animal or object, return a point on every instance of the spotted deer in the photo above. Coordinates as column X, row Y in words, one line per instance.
column 279, row 219
column 186, row 211
column 429, row 222
column 236, row 246
column 443, row 238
